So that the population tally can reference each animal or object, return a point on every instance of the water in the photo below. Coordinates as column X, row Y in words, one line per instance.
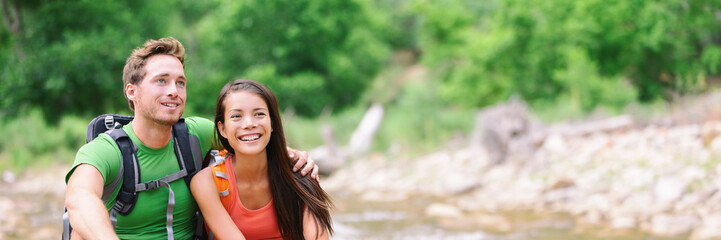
column 354, row 219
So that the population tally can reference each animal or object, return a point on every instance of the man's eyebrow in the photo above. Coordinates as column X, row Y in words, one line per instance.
column 167, row 74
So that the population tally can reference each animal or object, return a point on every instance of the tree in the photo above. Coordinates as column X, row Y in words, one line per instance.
column 312, row 53
column 585, row 51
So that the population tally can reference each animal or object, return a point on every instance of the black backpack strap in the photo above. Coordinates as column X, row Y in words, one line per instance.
column 127, row 196
column 188, row 153
column 184, row 150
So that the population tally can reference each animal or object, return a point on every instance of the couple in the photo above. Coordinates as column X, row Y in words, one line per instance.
column 265, row 199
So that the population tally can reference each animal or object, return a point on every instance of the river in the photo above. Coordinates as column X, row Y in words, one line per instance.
column 353, row 219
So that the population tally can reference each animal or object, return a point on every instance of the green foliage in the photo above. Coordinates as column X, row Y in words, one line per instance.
column 533, row 47
column 311, row 53
column 586, row 88
column 30, row 141
column 420, row 121
column 565, row 57
column 68, row 56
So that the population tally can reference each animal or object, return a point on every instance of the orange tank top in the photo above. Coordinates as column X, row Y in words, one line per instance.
column 254, row 224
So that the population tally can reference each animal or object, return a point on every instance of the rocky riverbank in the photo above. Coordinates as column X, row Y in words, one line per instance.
column 662, row 177
column 31, row 204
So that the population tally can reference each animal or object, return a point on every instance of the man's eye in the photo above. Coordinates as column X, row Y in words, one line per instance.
column 181, row 83
column 161, row 80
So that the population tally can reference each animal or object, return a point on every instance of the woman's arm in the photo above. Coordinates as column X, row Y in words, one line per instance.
column 311, row 229
column 216, row 217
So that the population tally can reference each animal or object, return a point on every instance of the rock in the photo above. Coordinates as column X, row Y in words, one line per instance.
column 673, row 225
column 600, row 202
column 592, row 217
column 623, row 222
column 710, row 229
column 497, row 126
column 442, row 210
column 8, row 176
column 554, row 143
column 709, row 132
column 637, row 204
column 493, row 222
column 669, row 188
column 562, row 183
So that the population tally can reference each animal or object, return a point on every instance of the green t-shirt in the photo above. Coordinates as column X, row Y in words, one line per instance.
column 147, row 219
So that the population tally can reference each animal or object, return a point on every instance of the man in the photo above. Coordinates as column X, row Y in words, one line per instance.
column 155, row 87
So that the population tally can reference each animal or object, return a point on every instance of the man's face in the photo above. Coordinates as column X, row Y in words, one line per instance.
column 160, row 96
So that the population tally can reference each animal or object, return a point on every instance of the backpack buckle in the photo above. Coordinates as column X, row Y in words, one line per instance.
column 109, row 122
column 150, row 185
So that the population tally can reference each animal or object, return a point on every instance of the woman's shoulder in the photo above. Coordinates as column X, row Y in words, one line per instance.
column 203, row 176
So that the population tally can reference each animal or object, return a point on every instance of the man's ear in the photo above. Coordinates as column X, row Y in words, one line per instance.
column 130, row 91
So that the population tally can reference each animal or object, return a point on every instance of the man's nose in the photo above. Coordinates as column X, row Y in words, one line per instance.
column 173, row 89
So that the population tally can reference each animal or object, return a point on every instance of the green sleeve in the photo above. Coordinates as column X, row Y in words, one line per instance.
column 101, row 153
column 203, row 129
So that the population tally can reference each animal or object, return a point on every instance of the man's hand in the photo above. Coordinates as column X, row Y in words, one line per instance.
column 301, row 158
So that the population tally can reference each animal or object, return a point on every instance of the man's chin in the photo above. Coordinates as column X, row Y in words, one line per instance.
column 169, row 120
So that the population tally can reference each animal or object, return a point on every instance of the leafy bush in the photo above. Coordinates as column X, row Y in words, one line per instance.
column 30, row 141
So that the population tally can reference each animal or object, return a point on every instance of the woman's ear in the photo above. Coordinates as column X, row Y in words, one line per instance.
column 221, row 129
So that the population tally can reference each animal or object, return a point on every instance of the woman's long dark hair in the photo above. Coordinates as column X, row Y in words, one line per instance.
column 291, row 191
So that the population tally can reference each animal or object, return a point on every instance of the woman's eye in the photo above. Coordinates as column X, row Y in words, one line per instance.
column 260, row 114
column 235, row 116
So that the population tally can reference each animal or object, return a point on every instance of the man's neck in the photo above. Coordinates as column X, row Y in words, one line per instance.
column 151, row 134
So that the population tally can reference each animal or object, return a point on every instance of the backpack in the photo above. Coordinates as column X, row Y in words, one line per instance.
column 187, row 148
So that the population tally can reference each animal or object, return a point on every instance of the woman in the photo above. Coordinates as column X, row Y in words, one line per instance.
column 265, row 200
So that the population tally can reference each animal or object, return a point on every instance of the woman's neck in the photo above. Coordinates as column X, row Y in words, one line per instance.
column 250, row 169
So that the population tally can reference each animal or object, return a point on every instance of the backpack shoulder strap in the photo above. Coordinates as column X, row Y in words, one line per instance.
column 188, row 154
column 220, row 176
column 110, row 124
column 187, row 150
column 127, row 196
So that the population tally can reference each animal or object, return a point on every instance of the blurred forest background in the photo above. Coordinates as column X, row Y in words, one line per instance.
column 432, row 64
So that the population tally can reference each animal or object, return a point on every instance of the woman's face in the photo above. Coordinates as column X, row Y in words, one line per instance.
column 247, row 123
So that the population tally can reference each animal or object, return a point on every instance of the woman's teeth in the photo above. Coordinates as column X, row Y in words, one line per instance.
column 250, row 137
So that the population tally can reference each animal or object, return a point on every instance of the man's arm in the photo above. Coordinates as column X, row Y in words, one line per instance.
column 86, row 210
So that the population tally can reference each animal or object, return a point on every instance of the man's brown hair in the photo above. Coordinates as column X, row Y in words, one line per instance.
column 134, row 70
